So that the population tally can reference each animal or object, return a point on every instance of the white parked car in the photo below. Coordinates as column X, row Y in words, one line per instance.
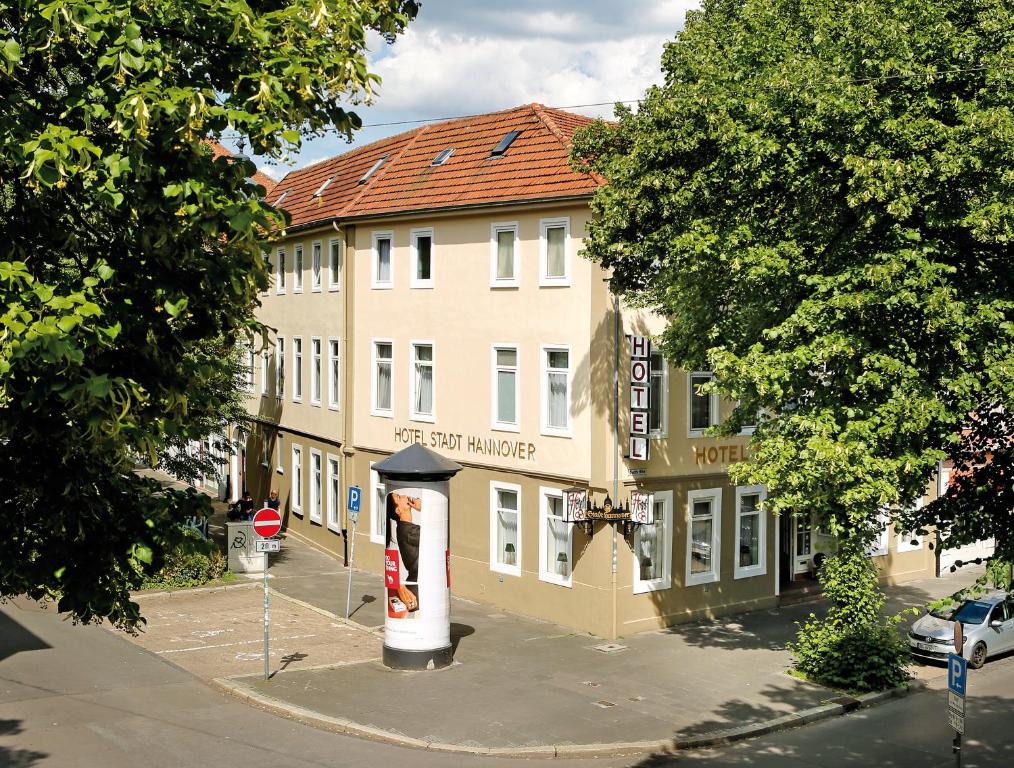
column 987, row 621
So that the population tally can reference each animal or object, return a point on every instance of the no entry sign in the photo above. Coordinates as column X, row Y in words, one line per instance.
column 267, row 522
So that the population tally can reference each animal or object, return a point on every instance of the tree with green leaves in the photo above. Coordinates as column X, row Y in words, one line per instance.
column 126, row 247
column 819, row 200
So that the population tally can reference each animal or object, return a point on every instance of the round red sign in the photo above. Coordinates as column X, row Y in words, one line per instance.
column 267, row 522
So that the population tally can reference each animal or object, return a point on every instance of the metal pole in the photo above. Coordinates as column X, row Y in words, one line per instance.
column 957, row 748
column 352, row 554
column 267, row 672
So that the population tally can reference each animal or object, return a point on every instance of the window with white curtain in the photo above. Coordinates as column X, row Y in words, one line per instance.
column 334, row 494
column 383, row 362
column 909, row 541
column 315, row 364
column 297, row 269
column 334, row 260
column 505, row 528
column 378, row 507
column 297, row 480
column 316, row 485
column 704, row 518
column 505, row 388
column 554, row 259
column 504, row 269
column 297, row 368
column 751, row 532
column 421, row 406
column 658, row 395
column 280, row 368
column 653, row 547
column 333, row 373
column 315, row 266
column 280, row 271
column 555, row 539
column 383, row 267
column 556, row 390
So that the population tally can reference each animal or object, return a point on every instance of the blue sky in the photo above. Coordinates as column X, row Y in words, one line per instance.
column 464, row 57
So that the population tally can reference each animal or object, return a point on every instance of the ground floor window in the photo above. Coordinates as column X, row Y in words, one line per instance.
column 378, row 507
column 555, row 539
column 505, row 528
column 297, row 480
column 316, row 485
column 334, row 494
column 653, row 547
column 909, row 541
column 704, row 525
column 751, row 532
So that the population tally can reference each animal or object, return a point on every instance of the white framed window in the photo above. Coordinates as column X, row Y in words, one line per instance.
column 334, row 494
column 702, row 407
column 316, row 267
column 316, row 354
column 653, row 548
column 422, row 385
column 554, row 252
column 250, row 365
column 878, row 547
column 297, row 480
column 555, row 393
column 333, row 373
column 297, row 269
column 334, row 263
column 658, row 396
column 506, row 392
column 704, row 539
column 316, row 486
column 279, row 453
column 270, row 269
column 382, row 269
column 909, row 541
column 297, row 369
column 280, row 367
column 422, row 258
column 265, row 370
column 383, row 378
column 265, row 449
column 378, row 507
column 556, row 539
column 751, row 532
column 505, row 528
column 504, row 255
column 280, row 269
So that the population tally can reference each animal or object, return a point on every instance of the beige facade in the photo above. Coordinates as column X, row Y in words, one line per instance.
column 481, row 332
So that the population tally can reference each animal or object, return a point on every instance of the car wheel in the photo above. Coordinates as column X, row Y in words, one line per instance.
column 978, row 657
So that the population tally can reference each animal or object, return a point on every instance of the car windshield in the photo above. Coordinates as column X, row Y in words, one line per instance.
column 971, row 612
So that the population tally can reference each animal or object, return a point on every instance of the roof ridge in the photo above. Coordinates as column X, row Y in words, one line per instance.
column 541, row 112
column 384, row 170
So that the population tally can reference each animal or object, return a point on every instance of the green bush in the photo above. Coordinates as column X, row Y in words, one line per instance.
column 853, row 646
column 191, row 564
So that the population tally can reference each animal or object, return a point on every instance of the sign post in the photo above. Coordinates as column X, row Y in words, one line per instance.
column 355, row 496
column 267, row 523
column 957, row 678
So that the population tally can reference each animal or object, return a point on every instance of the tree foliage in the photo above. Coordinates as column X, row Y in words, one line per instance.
column 819, row 200
column 125, row 247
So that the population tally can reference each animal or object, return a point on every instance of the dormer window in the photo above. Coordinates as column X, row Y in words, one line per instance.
column 505, row 142
column 443, row 156
column 322, row 187
column 284, row 194
column 373, row 169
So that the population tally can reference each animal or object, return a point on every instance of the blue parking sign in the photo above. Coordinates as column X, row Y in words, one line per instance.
column 957, row 673
column 355, row 494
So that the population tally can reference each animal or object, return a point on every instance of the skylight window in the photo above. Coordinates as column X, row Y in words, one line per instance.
column 322, row 187
column 505, row 142
column 442, row 156
column 373, row 169
column 283, row 196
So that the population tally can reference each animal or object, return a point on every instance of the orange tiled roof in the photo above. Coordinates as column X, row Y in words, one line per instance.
column 534, row 167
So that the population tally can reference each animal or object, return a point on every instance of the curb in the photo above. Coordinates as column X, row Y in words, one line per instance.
column 333, row 616
column 840, row 706
column 192, row 590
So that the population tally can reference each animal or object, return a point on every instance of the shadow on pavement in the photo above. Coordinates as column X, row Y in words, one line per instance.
column 14, row 638
column 17, row 758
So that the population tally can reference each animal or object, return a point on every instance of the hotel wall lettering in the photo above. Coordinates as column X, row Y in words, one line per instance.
column 640, row 382
column 472, row 444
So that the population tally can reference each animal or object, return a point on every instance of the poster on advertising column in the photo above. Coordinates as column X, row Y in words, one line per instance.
column 417, row 577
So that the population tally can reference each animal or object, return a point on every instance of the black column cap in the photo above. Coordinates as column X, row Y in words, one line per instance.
column 417, row 463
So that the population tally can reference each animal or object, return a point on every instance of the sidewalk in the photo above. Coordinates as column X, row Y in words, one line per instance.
column 528, row 687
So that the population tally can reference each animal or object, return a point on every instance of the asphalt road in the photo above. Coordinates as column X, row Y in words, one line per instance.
column 82, row 697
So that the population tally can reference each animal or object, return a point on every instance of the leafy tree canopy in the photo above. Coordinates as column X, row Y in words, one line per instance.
column 819, row 200
column 125, row 246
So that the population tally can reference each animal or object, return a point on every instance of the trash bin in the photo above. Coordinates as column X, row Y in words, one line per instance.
column 240, row 541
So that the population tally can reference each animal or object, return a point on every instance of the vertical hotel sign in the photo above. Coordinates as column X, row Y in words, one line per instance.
column 640, row 383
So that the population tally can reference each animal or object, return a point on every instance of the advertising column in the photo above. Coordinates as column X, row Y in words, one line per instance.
column 417, row 576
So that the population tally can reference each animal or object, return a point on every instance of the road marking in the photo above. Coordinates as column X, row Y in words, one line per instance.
column 227, row 645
